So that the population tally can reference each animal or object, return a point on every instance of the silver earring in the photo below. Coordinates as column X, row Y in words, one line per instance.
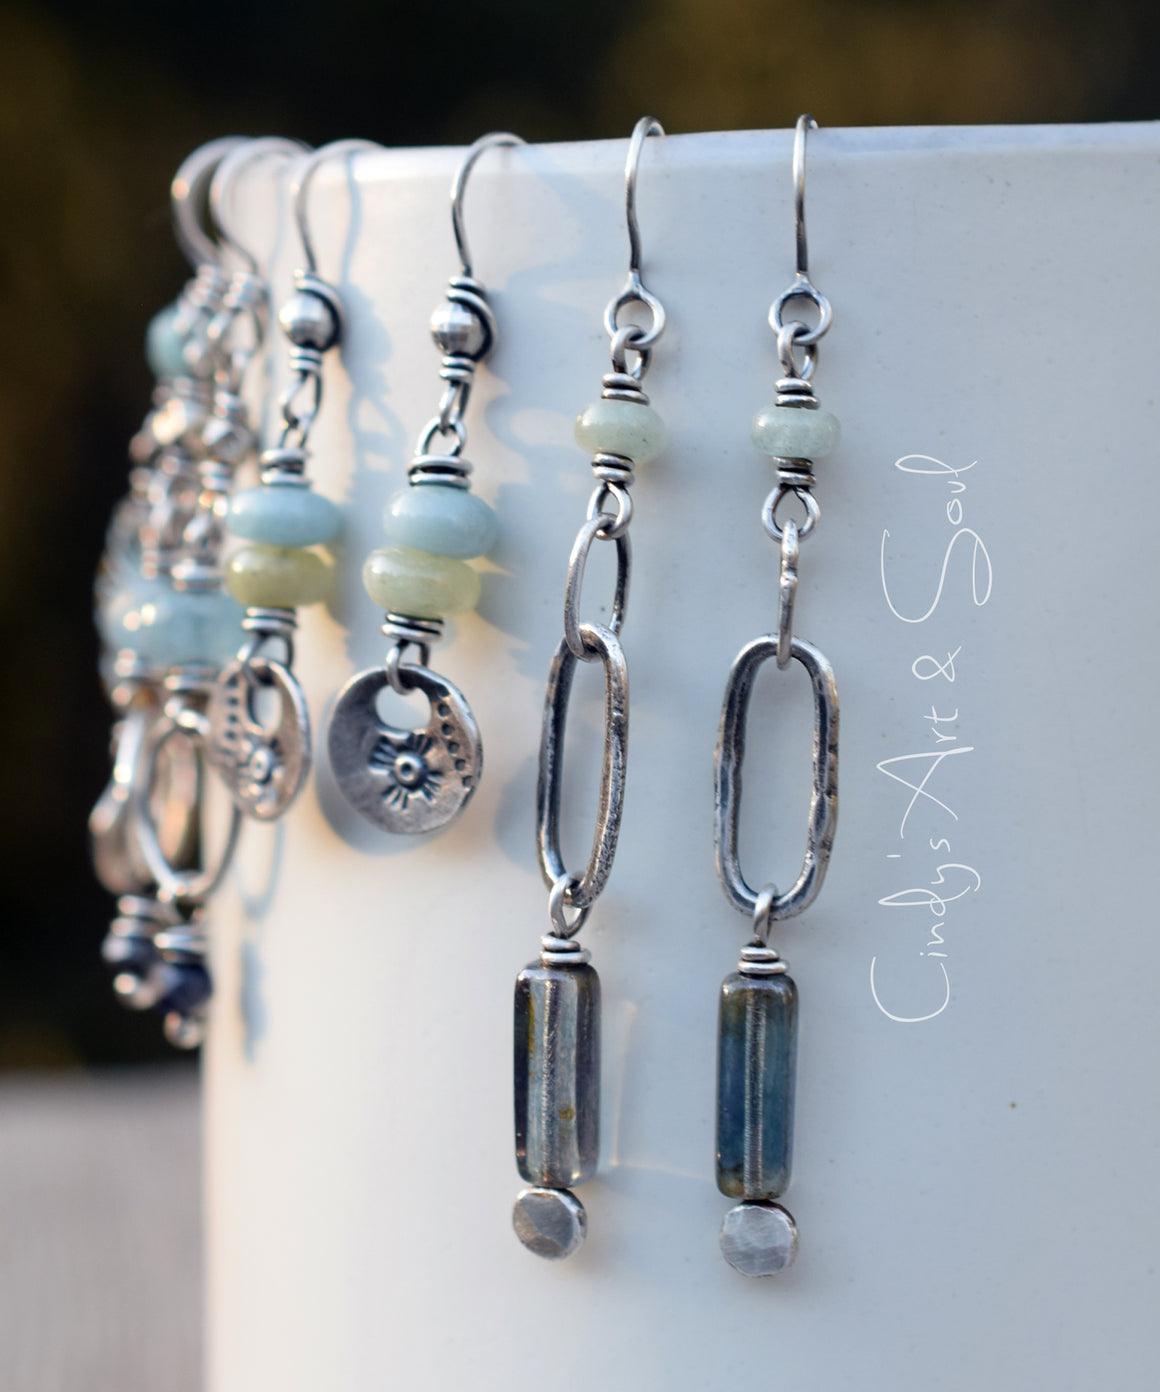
column 419, row 780
column 278, row 570
column 757, row 1030
column 557, row 998
column 172, row 625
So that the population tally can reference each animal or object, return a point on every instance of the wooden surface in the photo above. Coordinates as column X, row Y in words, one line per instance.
column 100, row 1246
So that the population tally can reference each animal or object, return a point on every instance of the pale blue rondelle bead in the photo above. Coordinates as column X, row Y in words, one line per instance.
column 164, row 346
column 628, row 428
column 119, row 607
column 795, row 432
column 283, row 514
column 445, row 521
column 185, row 626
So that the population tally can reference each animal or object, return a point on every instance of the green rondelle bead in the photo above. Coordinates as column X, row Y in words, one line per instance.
column 277, row 577
column 795, row 432
column 283, row 514
column 164, row 346
column 628, row 428
column 403, row 580
column 444, row 520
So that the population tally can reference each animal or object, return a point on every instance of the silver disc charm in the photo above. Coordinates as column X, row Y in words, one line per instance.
column 759, row 1239
column 550, row 1222
column 264, row 768
column 405, row 780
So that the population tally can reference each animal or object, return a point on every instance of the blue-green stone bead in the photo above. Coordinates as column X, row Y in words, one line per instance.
column 756, row 1070
column 164, row 346
column 795, row 432
column 445, row 521
column 557, row 1074
column 175, row 627
column 283, row 514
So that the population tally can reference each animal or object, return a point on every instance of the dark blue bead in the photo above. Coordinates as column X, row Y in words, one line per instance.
column 184, row 986
column 756, row 1068
column 557, row 1074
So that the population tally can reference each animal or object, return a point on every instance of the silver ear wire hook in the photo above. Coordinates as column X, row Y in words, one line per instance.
column 804, row 123
column 459, row 188
column 189, row 190
column 634, row 292
column 300, row 188
column 264, row 147
column 796, row 333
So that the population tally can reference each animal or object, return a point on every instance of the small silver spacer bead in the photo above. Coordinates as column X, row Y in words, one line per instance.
column 760, row 961
column 562, row 952
column 405, row 628
column 613, row 468
column 622, row 386
column 450, row 469
column 282, row 465
column 796, row 391
column 270, row 622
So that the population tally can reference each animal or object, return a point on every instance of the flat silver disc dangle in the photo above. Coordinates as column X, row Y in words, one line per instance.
column 400, row 779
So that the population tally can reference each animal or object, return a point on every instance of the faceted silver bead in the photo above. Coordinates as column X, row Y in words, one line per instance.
column 309, row 322
column 759, row 1239
column 457, row 330
column 550, row 1222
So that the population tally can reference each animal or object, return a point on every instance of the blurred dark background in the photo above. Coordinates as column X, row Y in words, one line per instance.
column 98, row 105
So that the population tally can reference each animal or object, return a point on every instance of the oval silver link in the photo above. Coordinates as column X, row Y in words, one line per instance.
column 573, row 586
column 802, row 289
column 173, row 885
column 787, row 582
column 586, row 889
column 823, row 813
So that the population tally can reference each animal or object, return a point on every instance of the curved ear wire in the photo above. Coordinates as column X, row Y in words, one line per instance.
column 264, row 147
column 189, row 198
column 459, row 188
column 300, row 188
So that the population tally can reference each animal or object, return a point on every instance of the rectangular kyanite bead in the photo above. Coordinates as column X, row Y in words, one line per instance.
column 756, row 1065
column 557, row 1074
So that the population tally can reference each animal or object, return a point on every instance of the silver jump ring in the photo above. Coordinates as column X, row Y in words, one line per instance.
column 398, row 672
column 789, row 337
column 558, row 898
column 634, row 292
column 763, row 914
column 616, row 524
column 773, row 502
column 437, row 427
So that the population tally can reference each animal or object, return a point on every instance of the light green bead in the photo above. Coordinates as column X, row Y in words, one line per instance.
column 627, row 428
column 795, row 432
column 277, row 577
column 405, row 581
column 444, row 520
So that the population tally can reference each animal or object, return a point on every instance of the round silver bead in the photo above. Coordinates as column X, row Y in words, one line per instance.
column 184, row 1031
column 309, row 322
column 550, row 1222
column 759, row 1239
column 458, row 330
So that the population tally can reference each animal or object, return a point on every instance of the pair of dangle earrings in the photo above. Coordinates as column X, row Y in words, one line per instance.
column 166, row 623
column 557, row 999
